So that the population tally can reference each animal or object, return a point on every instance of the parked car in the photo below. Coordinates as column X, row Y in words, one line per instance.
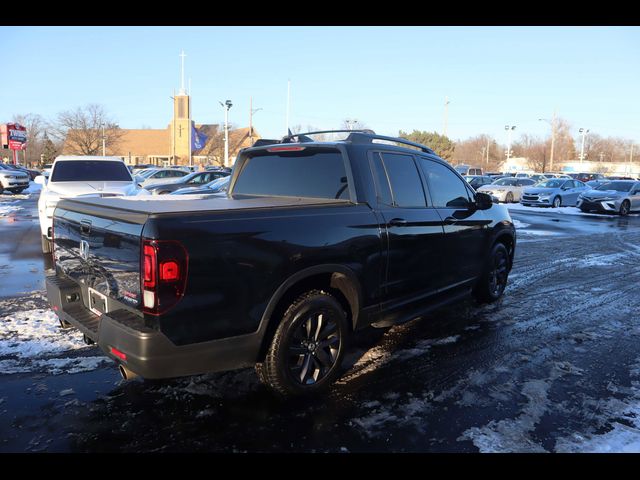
column 556, row 192
column 585, row 177
column 476, row 181
column 618, row 177
column 160, row 175
column 32, row 173
column 12, row 179
column 619, row 196
column 76, row 177
column 314, row 240
column 507, row 189
column 218, row 186
column 196, row 179
column 522, row 175
column 466, row 170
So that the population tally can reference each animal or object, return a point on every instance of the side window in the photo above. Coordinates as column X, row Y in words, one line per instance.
column 446, row 189
column 406, row 185
column 380, row 180
column 161, row 174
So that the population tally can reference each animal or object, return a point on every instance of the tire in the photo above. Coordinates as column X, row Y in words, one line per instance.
column 305, row 355
column 557, row 201
column 46, row 244
column 164, row 192
column 624, row 208
column 19, row 191
column 509, row 198
column 493, row 280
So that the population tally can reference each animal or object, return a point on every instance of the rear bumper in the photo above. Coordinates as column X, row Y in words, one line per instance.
column 148, row 352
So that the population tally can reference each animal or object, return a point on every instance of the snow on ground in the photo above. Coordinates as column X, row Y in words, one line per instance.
column 6, row 210
column 33, row 188
column 518, row 224
column 32, row 340
column 595, row 260
column 566, row 210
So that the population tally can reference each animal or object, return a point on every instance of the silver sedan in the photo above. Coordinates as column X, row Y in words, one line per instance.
column 618, row 196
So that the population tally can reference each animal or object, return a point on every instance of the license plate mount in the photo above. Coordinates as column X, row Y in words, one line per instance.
column 98, row 303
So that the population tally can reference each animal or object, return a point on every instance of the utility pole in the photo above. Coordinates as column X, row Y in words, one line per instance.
column 553, row 139
column 487, row 152
column 583, row 132
column 446, row 116
column 251, row 112
column 631, row 154
column 103, row 143
column 288, row 104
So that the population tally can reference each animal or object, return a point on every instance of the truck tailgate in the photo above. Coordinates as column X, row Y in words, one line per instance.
column 101, row 254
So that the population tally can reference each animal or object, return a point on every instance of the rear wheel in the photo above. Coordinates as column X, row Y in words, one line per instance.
column 46, row 244
column 307, row 349
column 509, row 198
column 493, row 280
column 557, row 201
column 624, row 208
column 164, row 192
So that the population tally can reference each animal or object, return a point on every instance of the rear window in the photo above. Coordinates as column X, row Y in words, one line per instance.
column 89, row 171
column 310, row 173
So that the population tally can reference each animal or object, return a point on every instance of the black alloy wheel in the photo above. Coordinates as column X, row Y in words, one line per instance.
column 306, row 352
column 493, row 281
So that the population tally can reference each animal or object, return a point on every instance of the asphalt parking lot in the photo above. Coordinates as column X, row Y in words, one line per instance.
column 552, row 367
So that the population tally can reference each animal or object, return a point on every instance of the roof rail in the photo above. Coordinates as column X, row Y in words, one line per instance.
column 301, row 136
column 357, row 136
column 369, row 138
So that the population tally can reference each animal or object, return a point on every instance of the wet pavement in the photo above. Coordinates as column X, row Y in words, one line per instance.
column 553, row 366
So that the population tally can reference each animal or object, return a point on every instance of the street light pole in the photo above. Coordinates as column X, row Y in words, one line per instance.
column 446, row 116
column 251, row 112
column 553, row 137
column 509, row 129
column 583, row 132
column 226, row 105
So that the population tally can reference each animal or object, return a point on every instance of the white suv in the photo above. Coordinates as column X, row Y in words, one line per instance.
column 81, row 176
column 13, row 180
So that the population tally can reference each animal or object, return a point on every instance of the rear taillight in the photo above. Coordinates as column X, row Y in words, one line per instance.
column 163, row 274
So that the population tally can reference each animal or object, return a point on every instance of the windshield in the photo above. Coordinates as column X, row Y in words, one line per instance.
column 219, row 185
column 90, row 170
column 506, row 181
column 617, row 186
column 147, row 172
column 551, row 183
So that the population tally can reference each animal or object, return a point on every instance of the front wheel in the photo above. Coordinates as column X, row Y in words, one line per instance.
column 493, row 280
column 508, row 198
column 307, row 349
column 557, row 202
column 46, row 244
column 624, row 208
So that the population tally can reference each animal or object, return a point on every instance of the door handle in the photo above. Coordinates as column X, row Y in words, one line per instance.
column 450, row 220
column 398, row 222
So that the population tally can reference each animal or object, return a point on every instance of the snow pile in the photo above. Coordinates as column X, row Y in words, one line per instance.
column 6, row 210
column 33, row 188
column 518, row 224
column 32, row 340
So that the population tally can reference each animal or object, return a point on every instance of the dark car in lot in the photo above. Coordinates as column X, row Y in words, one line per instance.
column 586, row 177
column 618, row 196
column 313, row 241
column 218, row 187
column 476, row 181
column 195, row 179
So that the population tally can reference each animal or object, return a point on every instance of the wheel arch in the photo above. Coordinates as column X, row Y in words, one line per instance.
column 340, row 281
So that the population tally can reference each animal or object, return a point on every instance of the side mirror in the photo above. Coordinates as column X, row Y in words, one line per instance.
column 41, row 180
column 138, row 179
column 483, row 201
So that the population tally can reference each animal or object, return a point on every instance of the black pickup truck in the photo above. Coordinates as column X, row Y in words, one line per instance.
column 314, row 240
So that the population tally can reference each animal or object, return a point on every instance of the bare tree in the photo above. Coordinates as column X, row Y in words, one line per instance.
column 81, row 130
column 535, row 150
column 35, row 126
column 473, row 151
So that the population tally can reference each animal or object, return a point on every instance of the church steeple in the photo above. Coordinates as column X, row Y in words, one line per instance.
column 181, row 122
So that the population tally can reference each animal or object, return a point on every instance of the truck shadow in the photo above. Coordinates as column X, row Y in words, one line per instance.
column 232, row 411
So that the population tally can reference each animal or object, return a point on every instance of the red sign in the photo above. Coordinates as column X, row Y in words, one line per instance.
column 15, row 145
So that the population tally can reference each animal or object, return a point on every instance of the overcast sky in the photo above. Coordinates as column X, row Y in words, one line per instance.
column 389, row 78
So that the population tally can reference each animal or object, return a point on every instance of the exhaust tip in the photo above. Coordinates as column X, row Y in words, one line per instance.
column 126, row 373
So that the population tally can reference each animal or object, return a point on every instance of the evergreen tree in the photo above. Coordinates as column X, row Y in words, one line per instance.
column 442, row 145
